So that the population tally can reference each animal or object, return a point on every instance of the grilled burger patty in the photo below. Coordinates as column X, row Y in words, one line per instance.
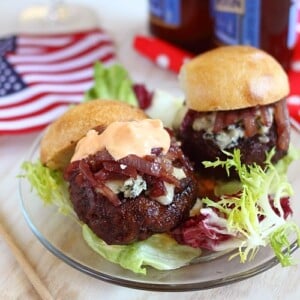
column 254, row 131
column 127, row 216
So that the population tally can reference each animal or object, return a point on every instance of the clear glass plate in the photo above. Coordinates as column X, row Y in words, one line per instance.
column 62, row 236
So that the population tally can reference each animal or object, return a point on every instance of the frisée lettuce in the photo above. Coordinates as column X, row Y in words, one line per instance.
column 49, row 185
column 254, row 211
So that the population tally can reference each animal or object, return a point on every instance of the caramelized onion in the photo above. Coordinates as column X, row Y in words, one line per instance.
column 157, row 189
column 98, row 184
column 283, row 125
column 105, row 175
column 219, row 121
column 156, row 169
column 249, row 121
column 115, row 167
column 265, row 116
column 142, row 165
column 231, row 118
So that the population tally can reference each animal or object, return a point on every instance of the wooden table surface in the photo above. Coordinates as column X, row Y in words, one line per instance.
column 122, row 19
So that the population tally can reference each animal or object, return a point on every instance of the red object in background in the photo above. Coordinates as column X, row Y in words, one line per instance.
column 167, row 56
column 277, row 25
column 161, row 53
column 294, row 77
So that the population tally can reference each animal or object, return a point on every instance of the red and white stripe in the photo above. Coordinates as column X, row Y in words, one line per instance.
column 58, row 70
column 294, row 77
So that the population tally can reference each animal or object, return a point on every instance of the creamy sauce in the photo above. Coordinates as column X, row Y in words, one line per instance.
column 124, row 138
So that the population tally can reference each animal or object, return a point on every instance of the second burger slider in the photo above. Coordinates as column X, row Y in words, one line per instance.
column 235, row 98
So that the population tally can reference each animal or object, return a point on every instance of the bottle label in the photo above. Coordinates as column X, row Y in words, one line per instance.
column 292, row 32
column 166, row 11
column 237, row 21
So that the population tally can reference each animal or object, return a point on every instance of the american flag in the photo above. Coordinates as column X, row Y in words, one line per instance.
column 41, row 75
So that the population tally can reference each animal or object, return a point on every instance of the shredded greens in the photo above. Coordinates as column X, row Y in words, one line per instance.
column 49, row 185
column 243, row 209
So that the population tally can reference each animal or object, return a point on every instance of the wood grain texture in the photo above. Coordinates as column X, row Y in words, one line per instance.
column 25, row 265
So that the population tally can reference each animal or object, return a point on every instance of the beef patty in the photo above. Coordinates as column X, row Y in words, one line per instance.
column 118, row 219
column 255, row 131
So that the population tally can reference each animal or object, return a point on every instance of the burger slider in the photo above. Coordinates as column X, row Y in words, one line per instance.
column 235, row 99
column 127, row 175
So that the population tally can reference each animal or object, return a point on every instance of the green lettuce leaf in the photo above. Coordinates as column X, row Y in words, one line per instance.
column 251, row 200
column 111, row 83
column 49, row 185
column 159, row 251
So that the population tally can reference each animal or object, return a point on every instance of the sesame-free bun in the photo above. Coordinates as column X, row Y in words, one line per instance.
column 232, row 77
column 58, row 143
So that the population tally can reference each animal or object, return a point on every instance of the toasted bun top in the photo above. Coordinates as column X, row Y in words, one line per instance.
column 59, row 141
column 232, row 77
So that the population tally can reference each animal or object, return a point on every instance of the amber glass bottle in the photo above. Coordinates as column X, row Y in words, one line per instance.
column 185, row 23
column 266, row 24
